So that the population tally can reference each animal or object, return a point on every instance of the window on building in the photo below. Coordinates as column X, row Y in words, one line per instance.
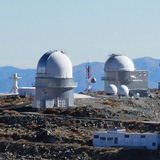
column 126, row 136
column 103, row 138
column 115, row 140
column 62, row 102
column 96, row 136
column 109, row 138
column 153, row 144
column 143, row 136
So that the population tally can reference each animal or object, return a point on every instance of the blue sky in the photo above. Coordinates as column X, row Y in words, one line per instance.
column 84, row 29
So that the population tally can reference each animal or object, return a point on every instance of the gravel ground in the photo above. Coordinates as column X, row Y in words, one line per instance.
column 67, row 133
column 126, row 108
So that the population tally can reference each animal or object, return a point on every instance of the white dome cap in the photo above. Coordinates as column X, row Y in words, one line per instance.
column 119, row 63
column 123, row 90
column 111, row 89
column 54, row 64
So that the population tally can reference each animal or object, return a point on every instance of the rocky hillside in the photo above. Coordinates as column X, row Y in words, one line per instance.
column 63, row 137
column 66, row 133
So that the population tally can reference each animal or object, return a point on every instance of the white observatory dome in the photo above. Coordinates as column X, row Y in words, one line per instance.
column 119, row 63
column 55, row 64
column 123, row 90
column 111, row 89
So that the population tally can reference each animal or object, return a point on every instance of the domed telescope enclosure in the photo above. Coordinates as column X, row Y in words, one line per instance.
column 111, row 89
column 123, row 90
column 120, row 70
column 54, row 81
column 119, row 63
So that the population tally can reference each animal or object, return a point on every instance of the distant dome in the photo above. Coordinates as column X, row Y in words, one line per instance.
column 119, row 63
column 54, row 64
column 111, row 89
column 123, row 90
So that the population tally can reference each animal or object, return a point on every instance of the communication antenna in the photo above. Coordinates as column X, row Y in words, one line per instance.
column 89, row 80
column 15, row 83
column 159, row 82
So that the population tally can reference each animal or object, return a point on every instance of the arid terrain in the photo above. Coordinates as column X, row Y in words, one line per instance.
column 67, row 133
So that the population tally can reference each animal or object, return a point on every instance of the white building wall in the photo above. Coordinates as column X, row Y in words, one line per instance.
column 148, row 140
column 60, row 90
column 27, row 90
column 138, row 84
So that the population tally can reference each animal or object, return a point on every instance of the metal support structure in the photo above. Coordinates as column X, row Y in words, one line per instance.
column 15, row 83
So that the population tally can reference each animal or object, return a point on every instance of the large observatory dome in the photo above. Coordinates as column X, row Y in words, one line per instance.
column 54, row 64
column 119, row 63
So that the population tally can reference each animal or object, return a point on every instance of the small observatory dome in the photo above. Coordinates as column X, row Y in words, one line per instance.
column 119, row 63
column 111, row 89
column 54, row 64
column 123, row 90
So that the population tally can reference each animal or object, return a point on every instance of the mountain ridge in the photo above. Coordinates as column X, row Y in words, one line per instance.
column 79, row 73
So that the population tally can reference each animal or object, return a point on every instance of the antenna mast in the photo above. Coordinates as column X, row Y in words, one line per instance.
column 89, row 79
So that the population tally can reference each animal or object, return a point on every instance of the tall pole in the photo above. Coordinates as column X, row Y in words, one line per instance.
column 88, row 77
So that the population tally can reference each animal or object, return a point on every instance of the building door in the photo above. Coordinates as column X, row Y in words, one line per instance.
column 103, row 141
column 143, row 140
column 116, row 140
column 62, row 102
column 127, row 141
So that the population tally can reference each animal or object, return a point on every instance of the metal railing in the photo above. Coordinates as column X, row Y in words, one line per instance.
column 63, row 85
